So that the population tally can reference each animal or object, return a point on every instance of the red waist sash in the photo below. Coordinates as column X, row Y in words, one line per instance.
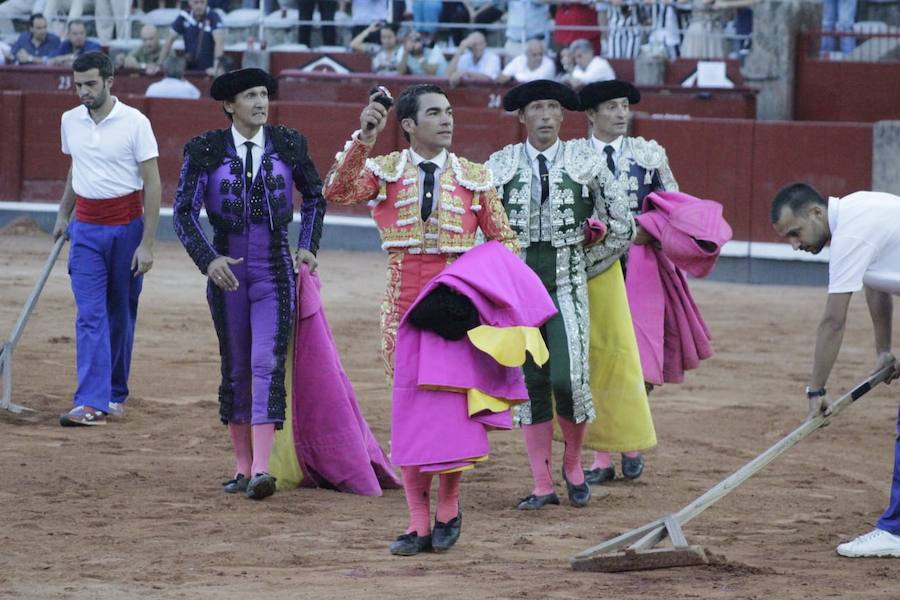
column 110, row 211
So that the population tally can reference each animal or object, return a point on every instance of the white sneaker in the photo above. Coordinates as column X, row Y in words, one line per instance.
column 116, row 409
column 875, row 543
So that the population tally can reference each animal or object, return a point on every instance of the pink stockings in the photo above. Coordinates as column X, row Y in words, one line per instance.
column 603, row 460
column 539, row 443
column 252, row 447
column 417, row 487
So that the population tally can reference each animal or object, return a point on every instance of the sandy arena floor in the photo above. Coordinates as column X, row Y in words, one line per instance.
column 135, row 509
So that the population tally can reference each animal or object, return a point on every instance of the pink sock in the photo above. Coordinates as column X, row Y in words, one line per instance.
column 263, row 436
column 417, row 487
column 602, row 460
column 539, row 443
column 574, row 436
column 243, row 449
column 632, row 454
column 448, row 497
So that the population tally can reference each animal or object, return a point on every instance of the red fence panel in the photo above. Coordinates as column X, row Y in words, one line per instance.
column 835, row 158
column 12, row 123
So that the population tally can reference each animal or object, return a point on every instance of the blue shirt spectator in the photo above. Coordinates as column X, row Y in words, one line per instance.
column 36, row 45
column 204, row 38
column 76, row 44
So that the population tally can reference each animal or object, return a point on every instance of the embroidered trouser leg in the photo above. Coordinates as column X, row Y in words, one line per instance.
column 890, row 520
column 106, row 298
column 565, row 376
column 253, row 324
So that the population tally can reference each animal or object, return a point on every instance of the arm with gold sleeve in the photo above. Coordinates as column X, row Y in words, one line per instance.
column 349, row 181
column 493, row 222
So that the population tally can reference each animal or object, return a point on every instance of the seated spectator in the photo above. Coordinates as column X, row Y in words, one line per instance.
column 565, row 65
column 419, row 60
column 204, row 39
column 473, row 62
column 6, row 53
column 575, row 14
column 146, row 55
column 529, row 66
column 75, row 45
column 173, row 85
column 385, row 56
column 36, row 45
column 469, row 11
column 588, row 68
column 11, row 9
column 525, row 20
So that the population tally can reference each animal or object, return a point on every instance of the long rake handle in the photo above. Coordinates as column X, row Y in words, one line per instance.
column 652, row 533
column 744, row 473
column 32, row 299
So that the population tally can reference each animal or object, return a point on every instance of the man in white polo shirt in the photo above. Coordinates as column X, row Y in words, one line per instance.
column 114, row 156
column 864, row 231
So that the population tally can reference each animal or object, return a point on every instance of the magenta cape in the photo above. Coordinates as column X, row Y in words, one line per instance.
column 432, row 428
column 671, row 333
column 334, row 445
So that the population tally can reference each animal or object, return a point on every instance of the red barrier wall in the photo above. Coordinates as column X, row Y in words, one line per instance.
column 846, row 91
column 738, row 162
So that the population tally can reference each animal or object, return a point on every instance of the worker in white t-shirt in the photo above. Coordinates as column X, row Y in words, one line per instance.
column 864, row 232
column 531, row 65
column 173, row 85
column 113, row 186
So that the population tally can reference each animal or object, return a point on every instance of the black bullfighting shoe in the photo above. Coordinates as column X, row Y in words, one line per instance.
column 444, row 535
column 238, row 484
column 579, row 495
column 261, row 486
column 632, row 467
column 533, row 502
column 410, row 544
column 598, row 475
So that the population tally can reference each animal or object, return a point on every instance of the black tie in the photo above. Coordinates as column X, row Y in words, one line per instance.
column 545, row 177
column 427, row 189
column 248, row 165
column 609, row 150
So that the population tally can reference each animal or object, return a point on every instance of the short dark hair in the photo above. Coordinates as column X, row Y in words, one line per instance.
column 94, row 60
column 798, row 197
column 75, row 22
column 34, row 18
column 408, row 102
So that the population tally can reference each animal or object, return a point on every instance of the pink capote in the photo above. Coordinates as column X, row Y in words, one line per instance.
column 671, row 334
column 431, row 428
column 334, row 445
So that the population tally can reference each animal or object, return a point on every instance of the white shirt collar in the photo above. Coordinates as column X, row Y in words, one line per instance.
column 112, row 113
column 440, row 160
column 550, row 153
column 616, row 144
column 259, row 139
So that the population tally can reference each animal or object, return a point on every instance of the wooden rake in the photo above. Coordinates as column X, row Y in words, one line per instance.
column 639, row 553
column 6, row 350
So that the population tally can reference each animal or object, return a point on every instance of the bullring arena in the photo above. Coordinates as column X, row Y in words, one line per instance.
column 135, row 509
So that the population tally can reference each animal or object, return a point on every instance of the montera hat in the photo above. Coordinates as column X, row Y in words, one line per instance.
column 600, row 91
column 228, row 85
column 540, row 89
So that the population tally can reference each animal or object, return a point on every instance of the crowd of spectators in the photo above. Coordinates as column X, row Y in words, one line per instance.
column 464, row 41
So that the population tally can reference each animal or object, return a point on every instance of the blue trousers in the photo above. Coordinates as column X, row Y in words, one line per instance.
column 890, row 520
column 106, row 299
column 838, row 15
